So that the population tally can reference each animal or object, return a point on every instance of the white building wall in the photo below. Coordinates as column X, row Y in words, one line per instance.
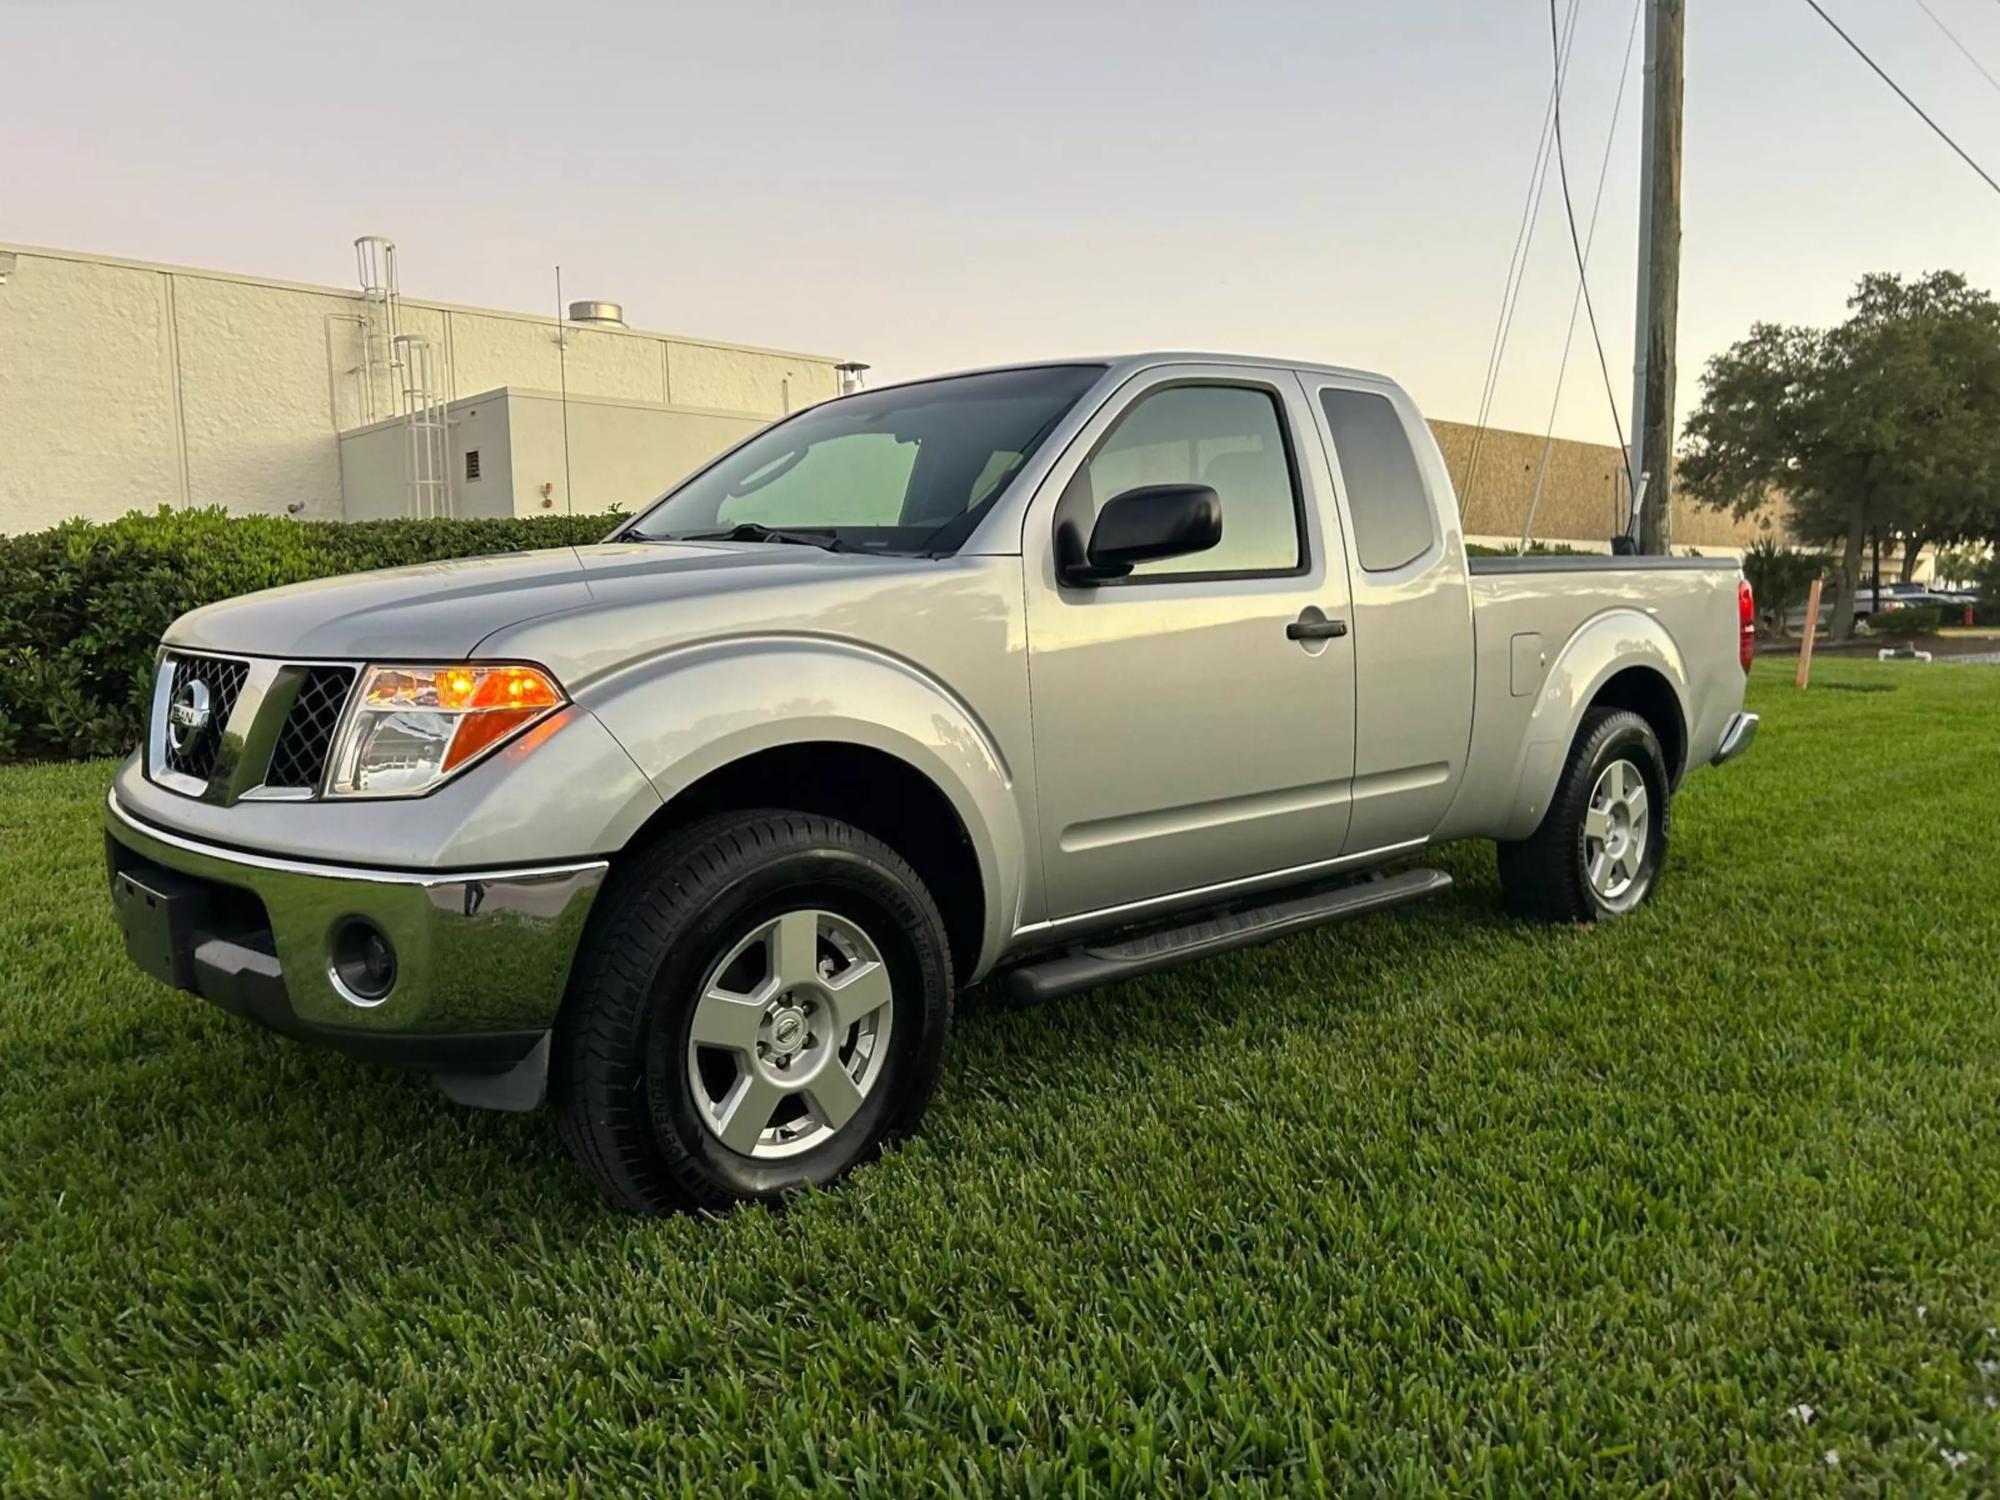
column 256, row 401
column 374, row 472
column 89, row 417
column 483, row 424
column 620, row 454
column 126, row 385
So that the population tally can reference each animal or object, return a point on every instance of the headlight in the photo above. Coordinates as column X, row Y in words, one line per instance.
column 411, row 728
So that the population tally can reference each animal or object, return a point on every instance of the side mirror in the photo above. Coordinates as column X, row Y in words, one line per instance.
column 1144, row 525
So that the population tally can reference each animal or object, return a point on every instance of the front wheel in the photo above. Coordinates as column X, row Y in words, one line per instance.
column 1601, row 845
column 762, row 1006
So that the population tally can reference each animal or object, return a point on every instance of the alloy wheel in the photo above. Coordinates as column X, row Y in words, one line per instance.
column 790, row 1033
column 1617, row 825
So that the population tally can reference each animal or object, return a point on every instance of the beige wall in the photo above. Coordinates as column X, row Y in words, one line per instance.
column 1583, row 497
column 621, row 454
column 67, row 401
column 127, row 385
column 374, row 472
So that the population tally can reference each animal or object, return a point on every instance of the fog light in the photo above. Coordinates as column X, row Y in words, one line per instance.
column 364, row 962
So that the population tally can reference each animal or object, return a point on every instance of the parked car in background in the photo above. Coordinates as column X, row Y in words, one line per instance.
column 1894, row 596
column 1069, row 672
column 1949, row 604
column 1795, row 619
column 1892, row 593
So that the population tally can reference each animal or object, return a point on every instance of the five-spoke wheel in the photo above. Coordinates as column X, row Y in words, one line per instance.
column 1600, row 845
column 761, row 1003
column 790, row 1033
column 1615, row 830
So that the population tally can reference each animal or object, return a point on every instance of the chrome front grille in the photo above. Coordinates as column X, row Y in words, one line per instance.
column 227, row 728
column 299, row 758
column 203, row 690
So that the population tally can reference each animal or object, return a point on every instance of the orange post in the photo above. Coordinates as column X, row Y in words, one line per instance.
column 1812, row 629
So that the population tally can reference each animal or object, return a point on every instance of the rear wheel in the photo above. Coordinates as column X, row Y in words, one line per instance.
column 763, row 1005
column 1601, row 845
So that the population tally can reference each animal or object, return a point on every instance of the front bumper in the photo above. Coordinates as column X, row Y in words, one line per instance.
column 482, row 958
column 1738, row 735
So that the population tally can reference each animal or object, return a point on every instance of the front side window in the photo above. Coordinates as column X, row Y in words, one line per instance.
column 906, row 469
column 1230, row 438
column 1385, row 490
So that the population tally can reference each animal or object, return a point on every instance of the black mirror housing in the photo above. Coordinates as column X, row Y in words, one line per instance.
column 1145, row 525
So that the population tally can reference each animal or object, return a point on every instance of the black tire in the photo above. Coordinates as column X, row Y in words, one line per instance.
column 620, row 1076
column 1546, row 876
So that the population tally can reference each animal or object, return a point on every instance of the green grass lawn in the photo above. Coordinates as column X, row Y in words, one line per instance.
column 1431, row 1202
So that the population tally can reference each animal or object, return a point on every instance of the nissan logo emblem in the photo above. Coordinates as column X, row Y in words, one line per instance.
column 187, row 715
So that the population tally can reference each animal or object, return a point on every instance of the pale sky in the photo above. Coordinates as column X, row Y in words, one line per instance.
column 933, row 185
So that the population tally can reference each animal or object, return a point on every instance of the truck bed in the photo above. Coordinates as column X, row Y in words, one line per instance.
column 1526, row 612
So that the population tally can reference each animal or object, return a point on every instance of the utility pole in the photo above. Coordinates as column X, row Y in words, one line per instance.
column 1659, row 299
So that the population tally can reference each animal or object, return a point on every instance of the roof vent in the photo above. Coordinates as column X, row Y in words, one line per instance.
column 599, row 314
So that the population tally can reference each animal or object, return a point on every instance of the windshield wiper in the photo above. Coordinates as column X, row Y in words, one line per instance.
column 751, row 531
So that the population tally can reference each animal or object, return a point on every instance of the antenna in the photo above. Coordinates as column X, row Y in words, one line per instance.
column 562, row 374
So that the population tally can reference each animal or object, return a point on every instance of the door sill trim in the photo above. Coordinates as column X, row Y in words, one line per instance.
column 1198, row 894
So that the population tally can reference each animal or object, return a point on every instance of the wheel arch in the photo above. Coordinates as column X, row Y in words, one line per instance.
column 864, row 786
column 1647, row 692
column 1623, row 658
column 820, row 727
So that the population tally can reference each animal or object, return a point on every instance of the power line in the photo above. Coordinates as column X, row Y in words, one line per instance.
column 1589, row 239
column 1964, row 51
column 1936, row 128
column 1576, row 245
column 1517, row 267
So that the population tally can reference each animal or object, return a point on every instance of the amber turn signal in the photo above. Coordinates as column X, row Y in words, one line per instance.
column 415, row 726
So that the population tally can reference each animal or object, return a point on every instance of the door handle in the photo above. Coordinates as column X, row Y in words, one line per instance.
column 1315, row 630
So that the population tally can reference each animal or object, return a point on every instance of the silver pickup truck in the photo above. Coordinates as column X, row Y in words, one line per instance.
column 1062, row 673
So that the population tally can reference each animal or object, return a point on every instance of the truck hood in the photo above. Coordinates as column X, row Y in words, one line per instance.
column 442, row 611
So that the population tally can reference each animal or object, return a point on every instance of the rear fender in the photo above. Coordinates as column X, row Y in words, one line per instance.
column 1602, row 647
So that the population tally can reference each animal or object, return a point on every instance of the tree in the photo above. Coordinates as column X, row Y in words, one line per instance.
column 1888, row 423
column 1780, row 577
column 1959, row 565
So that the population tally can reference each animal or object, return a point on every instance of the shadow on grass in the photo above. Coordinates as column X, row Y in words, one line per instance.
column 179, row 1106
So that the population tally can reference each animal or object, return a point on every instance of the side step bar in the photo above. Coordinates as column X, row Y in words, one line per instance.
column 1105, row 963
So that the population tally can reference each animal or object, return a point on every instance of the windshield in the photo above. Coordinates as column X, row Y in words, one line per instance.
column 908, row 469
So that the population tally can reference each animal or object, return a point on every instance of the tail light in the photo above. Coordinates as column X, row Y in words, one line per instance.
column 1746, row 622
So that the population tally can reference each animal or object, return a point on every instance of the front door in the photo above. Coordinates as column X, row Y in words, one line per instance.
column 1186, row 733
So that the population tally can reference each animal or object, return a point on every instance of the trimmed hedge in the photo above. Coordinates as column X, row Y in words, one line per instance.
column 1535, row 549
column 83, row 605
column 1907, row 623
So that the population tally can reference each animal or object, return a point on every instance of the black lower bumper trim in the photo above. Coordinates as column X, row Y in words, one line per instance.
column 248, row 983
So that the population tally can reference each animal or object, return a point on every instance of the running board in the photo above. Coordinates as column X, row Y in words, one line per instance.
column 1105, row 963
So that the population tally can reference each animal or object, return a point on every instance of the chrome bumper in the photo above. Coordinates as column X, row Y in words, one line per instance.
column 1737, row 736
column 482, row 958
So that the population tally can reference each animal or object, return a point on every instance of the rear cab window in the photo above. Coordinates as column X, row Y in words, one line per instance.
column 1386, row 499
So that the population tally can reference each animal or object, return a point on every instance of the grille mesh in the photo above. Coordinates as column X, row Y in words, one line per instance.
column 299, row 760
column 224, row 680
